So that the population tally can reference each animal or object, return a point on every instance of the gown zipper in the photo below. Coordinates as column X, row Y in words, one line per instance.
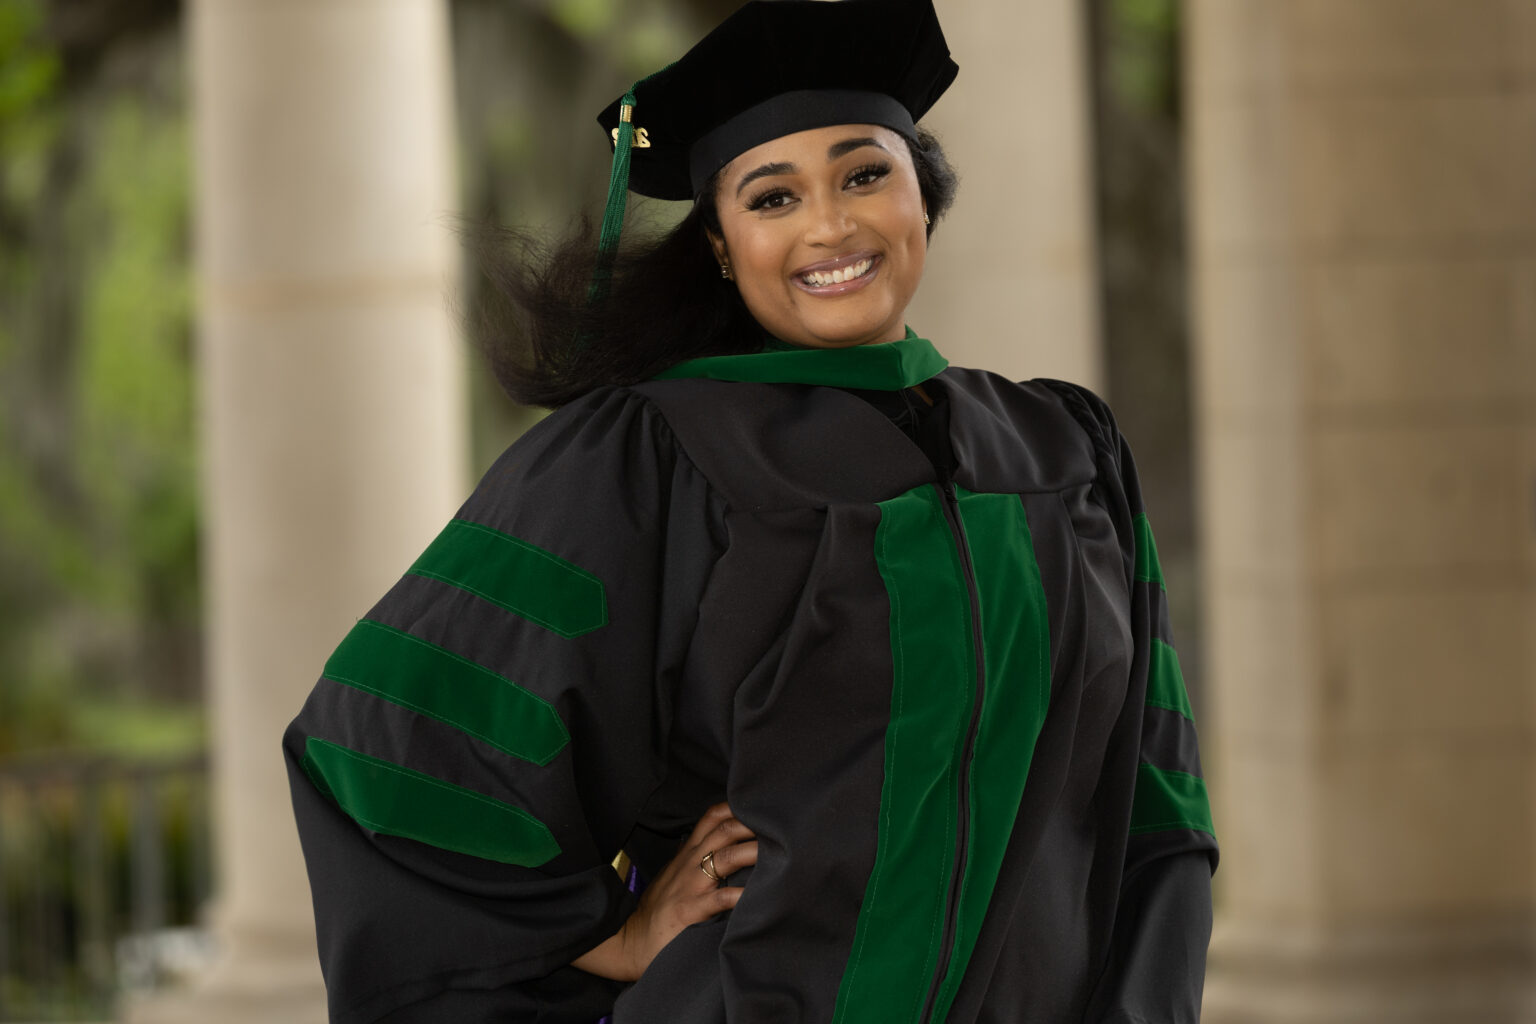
column 962, row 832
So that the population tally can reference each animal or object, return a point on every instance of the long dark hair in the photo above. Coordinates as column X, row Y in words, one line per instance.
column 548, row 342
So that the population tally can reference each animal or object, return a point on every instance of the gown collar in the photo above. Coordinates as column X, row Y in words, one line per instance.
column 890, row 366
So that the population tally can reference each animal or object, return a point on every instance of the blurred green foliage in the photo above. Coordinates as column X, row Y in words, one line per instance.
column 584, row 18
column 1143, row 61
column 28, row 71
column 132, row 376
column 98, row 514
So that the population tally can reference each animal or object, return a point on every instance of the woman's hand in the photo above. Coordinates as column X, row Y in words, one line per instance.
column 681, row 895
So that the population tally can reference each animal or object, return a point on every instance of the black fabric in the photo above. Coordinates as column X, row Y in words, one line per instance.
column 748, row 658
column 923, row 415
column 769, row 48
column 1154, row 972
column 787, row 113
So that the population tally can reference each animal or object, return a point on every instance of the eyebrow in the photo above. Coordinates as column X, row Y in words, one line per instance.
column 847, row 146
column 834, row 151
column 764, row 171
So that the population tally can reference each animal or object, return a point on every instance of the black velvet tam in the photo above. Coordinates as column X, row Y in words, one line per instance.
column 781, row 66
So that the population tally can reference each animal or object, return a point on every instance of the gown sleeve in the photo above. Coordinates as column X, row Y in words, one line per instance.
column 1155, row 973
column 479, row 746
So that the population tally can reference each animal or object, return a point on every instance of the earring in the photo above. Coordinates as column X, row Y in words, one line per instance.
column 725, row 270
column 926, row 221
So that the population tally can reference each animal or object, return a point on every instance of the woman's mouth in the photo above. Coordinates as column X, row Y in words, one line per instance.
column 840, row 279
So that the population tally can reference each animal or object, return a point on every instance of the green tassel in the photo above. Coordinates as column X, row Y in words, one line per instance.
column 618, row 197
column 618, row 192
column 618, row 179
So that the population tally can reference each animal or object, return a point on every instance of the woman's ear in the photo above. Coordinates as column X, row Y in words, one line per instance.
column 717, row 244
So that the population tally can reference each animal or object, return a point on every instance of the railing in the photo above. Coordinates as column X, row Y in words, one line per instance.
column 99, row 860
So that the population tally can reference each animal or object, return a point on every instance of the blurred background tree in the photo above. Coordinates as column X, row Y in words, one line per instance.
column 98, row 525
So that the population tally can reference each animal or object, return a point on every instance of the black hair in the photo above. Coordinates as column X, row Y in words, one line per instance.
column 549, row 342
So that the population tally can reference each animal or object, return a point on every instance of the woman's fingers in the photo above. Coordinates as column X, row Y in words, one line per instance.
column 727, row 833
column 728, row 860
column 713, row 846
column 719, row 900
column 722, row 835
column 706, row 905
column 708, row 821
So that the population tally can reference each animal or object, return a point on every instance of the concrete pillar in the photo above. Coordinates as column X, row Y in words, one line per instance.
column 1010, row 284
column 1364, row 199
column 332, row 419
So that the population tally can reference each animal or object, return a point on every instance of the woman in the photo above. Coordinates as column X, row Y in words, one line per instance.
column 862, row 659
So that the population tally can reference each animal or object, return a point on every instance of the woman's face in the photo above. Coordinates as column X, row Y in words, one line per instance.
column 825, row 236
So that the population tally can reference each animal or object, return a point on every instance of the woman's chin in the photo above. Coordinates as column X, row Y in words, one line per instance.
column 846, row 335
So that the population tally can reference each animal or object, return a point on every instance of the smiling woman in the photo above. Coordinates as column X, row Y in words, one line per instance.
column 863, row 660
column 824, row 233
column 667, row 299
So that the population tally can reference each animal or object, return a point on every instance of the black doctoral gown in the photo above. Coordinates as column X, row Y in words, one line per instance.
column 921, row 649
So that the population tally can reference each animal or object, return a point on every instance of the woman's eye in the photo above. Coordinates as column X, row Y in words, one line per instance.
column 770, row 201
column 867, row 175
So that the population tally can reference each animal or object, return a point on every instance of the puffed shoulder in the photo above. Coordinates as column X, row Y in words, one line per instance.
column 608, row 429
column 1090, row 411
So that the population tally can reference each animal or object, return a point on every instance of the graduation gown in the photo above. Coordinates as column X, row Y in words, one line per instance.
column 924, row 654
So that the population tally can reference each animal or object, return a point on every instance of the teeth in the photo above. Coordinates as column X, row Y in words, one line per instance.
column 821, row 278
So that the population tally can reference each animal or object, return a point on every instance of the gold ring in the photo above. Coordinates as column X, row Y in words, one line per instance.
column 707, row 865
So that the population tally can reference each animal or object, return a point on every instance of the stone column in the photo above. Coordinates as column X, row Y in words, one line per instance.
column 1364, row 198
column 1010, row 284
column 332, row 418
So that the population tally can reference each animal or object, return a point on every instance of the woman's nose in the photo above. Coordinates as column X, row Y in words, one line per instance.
column 831, row 224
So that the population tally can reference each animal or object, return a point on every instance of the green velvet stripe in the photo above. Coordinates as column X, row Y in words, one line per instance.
column 1167, row 800
column 1016, row 639
column 516, row 575
column 1148, row 570
column 1165, row 681
column 397, row 801
column 433, row 681
column 901, row 923
column 890, row 366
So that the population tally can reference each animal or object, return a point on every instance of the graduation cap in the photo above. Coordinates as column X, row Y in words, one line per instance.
column 772, row 68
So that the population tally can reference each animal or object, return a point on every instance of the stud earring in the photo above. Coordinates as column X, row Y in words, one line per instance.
column 725, row 270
